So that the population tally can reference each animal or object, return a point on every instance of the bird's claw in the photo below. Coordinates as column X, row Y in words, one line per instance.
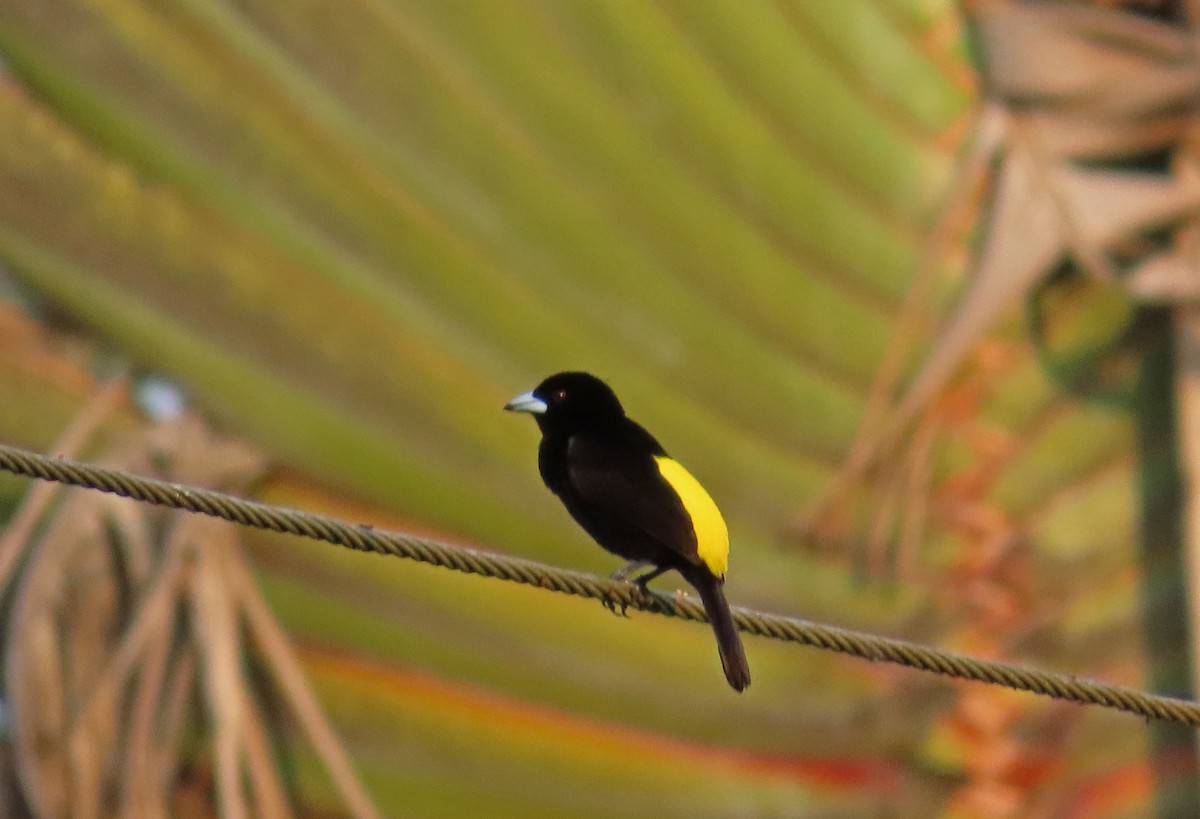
column 613, row 607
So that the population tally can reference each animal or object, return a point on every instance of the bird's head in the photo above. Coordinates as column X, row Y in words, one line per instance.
column 566, row 400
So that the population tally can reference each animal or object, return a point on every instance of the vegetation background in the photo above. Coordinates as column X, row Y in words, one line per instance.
column 907, row 284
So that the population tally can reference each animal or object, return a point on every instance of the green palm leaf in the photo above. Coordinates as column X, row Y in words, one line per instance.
column 352, row 232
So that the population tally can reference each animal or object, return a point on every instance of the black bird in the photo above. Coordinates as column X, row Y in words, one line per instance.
column 636, row 501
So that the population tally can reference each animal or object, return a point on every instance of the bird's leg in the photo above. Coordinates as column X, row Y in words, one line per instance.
column 641, row 582
column 623, row 574
column 628, row 569
column 650, row 575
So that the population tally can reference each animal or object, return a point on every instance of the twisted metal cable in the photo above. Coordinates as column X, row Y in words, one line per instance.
column 615, row 594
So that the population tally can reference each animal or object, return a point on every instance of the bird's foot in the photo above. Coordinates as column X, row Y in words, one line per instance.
column 641, row 582
column 623, row 573
column 617, row 608
column 666, row 600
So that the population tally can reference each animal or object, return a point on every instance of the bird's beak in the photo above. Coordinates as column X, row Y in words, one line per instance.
column 526, row 402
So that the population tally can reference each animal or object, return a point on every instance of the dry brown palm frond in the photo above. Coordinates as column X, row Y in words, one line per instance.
column 1075, row 98
column 1087, row 130
column 125, row 618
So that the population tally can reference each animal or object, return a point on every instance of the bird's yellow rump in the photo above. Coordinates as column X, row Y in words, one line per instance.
column 712, row 535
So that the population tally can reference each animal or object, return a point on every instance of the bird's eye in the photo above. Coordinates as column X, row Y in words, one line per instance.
column 561, row 395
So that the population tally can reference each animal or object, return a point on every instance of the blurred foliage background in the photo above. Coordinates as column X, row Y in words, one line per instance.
column 857, row 264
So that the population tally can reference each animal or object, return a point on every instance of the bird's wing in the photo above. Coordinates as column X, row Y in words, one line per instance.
column 625, row 496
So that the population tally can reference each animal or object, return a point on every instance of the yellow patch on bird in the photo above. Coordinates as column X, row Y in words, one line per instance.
column 712, row 535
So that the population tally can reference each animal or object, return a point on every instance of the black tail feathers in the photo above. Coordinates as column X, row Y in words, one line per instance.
column 729, row 642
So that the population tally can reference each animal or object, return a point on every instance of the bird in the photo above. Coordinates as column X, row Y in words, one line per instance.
column 632, row 498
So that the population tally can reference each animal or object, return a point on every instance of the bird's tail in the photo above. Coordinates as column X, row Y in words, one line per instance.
column 729, row 642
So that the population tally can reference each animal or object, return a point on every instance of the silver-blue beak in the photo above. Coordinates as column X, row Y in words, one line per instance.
column 526, row 402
